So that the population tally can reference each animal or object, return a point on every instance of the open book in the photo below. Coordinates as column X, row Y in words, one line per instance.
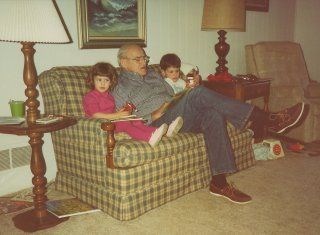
column 126, row 118
column 177, row 97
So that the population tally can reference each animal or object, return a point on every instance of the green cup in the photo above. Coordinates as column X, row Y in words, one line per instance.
column 17, row 108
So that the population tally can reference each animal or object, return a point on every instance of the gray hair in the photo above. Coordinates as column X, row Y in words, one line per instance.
column 122, row 53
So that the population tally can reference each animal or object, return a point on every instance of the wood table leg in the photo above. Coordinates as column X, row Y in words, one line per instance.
column 37, row 218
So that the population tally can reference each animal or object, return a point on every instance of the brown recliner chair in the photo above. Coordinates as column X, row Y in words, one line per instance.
column 284, row 63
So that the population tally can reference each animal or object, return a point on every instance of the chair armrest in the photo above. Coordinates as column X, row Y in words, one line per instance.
column 111, row 142
column 93, row 131
column 108, row 128
column 87, row 130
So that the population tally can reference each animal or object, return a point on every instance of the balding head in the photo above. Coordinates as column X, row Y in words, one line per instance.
column 132, row 58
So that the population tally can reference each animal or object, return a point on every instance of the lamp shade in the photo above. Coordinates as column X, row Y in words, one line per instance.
column 35, row 21
column 224, row 14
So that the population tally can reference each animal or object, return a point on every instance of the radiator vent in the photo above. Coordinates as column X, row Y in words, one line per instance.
column 4, row 159
column 15, row 157
column 21, row 156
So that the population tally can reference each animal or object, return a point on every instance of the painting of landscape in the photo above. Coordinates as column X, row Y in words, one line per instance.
column 113, row 18
column 111, row 22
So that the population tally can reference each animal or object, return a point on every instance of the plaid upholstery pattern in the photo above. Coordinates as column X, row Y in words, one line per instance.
column 145, row 177
column 130, row 206
column 62, row 89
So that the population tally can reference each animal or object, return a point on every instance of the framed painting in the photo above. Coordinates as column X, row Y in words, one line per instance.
column 111, row 23
column 257, row 5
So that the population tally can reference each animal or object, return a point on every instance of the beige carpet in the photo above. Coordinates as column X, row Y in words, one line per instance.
column 286, row 200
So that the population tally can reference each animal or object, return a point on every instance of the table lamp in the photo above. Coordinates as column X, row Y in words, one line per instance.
column 223, row 15
column 29, row 22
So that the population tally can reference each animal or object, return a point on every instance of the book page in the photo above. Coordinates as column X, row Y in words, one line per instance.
column 126, row 118
column 177, row 97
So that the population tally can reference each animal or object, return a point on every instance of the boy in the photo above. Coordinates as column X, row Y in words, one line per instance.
column 170, row 69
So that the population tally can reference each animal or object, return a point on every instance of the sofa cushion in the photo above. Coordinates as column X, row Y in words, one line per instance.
column 131, row 153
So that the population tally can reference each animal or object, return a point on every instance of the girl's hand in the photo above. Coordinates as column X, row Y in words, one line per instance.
column 122, row 112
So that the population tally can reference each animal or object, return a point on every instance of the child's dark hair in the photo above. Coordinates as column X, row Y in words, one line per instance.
column 102, row 69
column 170, row 60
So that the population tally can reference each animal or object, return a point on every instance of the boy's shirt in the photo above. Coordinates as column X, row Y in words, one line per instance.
column 177, row 86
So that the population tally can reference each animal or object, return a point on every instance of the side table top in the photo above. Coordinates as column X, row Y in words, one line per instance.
column 25, row 128
column 233, row 82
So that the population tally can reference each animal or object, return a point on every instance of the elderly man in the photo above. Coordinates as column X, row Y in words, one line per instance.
column 203, row 111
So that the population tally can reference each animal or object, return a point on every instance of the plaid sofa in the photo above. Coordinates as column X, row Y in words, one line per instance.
column 142, row 177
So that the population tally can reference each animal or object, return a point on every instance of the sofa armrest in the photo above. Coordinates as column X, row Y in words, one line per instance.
column 87, row 130
column 102, row 128
column 93, row 131
column 111, row 142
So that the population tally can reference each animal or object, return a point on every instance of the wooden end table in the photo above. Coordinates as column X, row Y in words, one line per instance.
column 37, row 218
column 243, row 90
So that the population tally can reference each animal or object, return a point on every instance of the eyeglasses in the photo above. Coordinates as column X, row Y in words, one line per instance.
column 140, row 59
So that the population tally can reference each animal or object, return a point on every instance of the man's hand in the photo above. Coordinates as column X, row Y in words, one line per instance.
column 159, row 112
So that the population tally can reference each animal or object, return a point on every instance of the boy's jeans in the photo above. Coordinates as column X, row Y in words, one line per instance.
column 206, row 111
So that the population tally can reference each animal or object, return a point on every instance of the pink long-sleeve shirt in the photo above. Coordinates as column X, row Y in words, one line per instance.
column 97, row 102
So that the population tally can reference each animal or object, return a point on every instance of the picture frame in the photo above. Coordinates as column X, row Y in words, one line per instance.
column 111, row 24
column 257, row 5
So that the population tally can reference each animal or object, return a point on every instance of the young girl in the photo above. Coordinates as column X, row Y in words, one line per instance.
column 99, row 103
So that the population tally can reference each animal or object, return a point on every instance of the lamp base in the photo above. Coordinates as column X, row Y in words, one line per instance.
column 222, row 50
column 27, row 221
column 31, row 81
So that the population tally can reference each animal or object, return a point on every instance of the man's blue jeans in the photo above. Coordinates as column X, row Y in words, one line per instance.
column 206, row 111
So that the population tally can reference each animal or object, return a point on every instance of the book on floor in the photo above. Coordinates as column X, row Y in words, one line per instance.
column 69, row 207
column 8, row 205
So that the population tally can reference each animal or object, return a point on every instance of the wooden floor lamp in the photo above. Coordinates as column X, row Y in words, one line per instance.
column 29, row 22
column 223, row 15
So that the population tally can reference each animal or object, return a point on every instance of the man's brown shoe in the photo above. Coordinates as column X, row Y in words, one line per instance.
column 281, row 121
column 231, row 193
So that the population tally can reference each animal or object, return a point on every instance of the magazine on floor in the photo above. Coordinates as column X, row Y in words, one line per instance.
column 8, row 205
column 69, row 207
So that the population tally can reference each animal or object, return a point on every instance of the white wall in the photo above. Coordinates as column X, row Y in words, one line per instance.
column 307, row 33
column 172, row 26
column 175, row 26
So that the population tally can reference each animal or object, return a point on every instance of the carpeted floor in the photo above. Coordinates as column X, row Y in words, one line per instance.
column 286, row 200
